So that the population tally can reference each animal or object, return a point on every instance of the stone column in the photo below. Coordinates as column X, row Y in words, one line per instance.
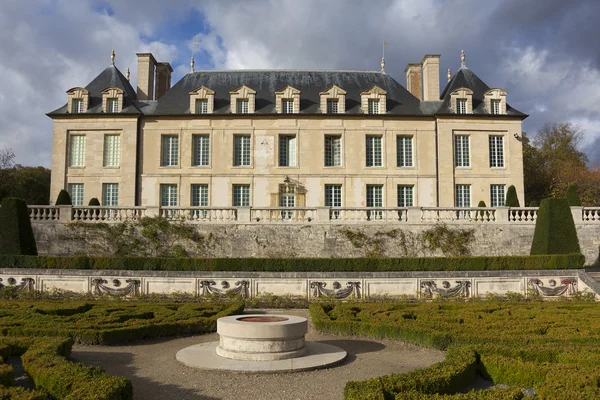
column 502, row 215
column 243, row 214
column 322, row 214
column 413, row 215
column 66, row 214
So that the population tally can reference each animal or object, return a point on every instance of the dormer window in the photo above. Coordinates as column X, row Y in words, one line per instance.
column 332, row 106
column 112, row 100
column 242, row 106
column 78, row 100
column 461, row 106
column 201, row 106
column 461, row 101
column 77, row 106
column 495, row 101
column 287, row 100
column 333, row 100
column 242, row 100
column 113, row 105
column 202, row 100
column 373, row 106
column 373, row 101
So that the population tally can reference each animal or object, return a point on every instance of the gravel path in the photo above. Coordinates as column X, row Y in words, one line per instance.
column 155, row 374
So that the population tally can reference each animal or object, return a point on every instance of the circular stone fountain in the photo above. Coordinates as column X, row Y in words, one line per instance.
column 261, row 343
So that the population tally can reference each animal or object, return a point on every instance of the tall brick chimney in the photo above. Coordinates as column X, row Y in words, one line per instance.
column 145, row 77
column 431, row 77
column 163, row 78
column 413, row 80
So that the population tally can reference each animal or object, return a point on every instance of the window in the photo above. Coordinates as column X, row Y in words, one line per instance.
column 241, row 195
column 404, row 151
column 287, row 106
column 374, row 199
column 76, row 192
column 288, row 201
column 497, row 195
column 333, row 151
column 373, row 106
column 110, row 194
column 333, row 199
column 463, row 196
column 405, row 196
column 287, row 151
column 374, row 151
column 495, row 107
column 461, row 151
column 112, row 105
column 77, row 151
column 170, row 151
column 201, row 150
column 242, row 106
column 332, row 106
column 112, row 150
column 168, row 195
column 77, row 106
column 199, row 199
column 461, row 106
column 496, row 152
column 241, row 151
column 201, row 106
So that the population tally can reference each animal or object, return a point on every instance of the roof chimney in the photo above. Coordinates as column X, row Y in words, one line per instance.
column 163, row 78
column 413, row 80
column 431, row 77
column 145, row 77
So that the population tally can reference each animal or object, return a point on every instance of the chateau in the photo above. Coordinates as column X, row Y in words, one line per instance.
column 287, row 138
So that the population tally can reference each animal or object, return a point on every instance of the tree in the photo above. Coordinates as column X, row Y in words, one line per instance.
column 537, row 180
column 16, row 235
column 63, row 199
column 572, row 196
column 554, row 229
column 7, row 158
column 511, row 197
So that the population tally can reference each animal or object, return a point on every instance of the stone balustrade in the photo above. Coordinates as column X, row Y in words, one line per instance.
column 305, row 215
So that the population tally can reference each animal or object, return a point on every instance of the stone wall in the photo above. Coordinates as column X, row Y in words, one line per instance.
column 322, row 240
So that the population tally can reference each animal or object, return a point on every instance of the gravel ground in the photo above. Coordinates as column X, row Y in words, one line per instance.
column 155, row 374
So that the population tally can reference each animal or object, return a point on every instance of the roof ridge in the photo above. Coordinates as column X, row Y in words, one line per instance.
column 287, row 70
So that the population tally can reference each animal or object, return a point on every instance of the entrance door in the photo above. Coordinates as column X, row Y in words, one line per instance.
column 288, row 201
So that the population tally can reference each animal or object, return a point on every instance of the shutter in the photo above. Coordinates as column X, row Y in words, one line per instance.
column 300, row 200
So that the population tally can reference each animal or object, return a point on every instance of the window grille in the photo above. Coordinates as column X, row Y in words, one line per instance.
column 405, row 196
column 168, row 195
column 170, row 151
column 201, row 149
column 76, row 192
column 461, row 106
column 287, row 106
column 332, row 106
column 287, row 151
column 77, row 151
column 112, row 105
column 404, row 151
column 461, row 151
column 242, row 106
column 201, row 106
column 241, row 150
column 333, row 198
column 110, row 194
column 374, row 199
column 112, row 150
column 77, row 106
column 496, row 152
column 495, row 107
column 241, row 195
column 463, row 195
column 497, row 195
column 373, row 147
column 373, row 106
column 333, row 151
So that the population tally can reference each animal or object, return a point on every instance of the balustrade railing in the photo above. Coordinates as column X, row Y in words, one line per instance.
column 458, row 214
column 590, row 214
column 106, row 214
column 283, row 214
column 44, row 213
column 199, row 214
column 522, row 214
column 368, row 214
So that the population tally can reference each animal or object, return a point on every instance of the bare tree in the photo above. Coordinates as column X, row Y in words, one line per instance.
column 7, row 158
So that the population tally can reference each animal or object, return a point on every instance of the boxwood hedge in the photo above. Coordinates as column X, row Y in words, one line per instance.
column 491, row 263
column 552, row 347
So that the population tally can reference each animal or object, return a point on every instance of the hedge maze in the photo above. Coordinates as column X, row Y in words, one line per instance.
column 552, row 347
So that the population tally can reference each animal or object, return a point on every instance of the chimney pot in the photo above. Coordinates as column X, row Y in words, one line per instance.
column 413, row 80
column 145, row 77
column 163, row 78
column 431, row 77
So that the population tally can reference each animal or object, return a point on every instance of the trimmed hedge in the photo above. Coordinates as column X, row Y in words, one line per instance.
column 112, row 322
column 16, row 235
column 552, row 347
column 572, row 196
column 555, row 231
column 511, row 197
column 63, row 199
column 492, row 263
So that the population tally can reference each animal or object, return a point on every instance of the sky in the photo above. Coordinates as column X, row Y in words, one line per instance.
column 544, row 53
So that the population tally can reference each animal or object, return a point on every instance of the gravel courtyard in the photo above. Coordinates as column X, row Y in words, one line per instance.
column 155, row 374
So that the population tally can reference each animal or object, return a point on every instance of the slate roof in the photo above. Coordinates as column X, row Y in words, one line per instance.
column 176, row 100
column 465, row 78
column 110, row 77
column 266, row 82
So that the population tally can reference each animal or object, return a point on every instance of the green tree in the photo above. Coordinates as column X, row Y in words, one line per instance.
column 572, row 196
column 63, row 199
column 16, row 235
column 511, row 197
column 554, row 229
column 537, row 179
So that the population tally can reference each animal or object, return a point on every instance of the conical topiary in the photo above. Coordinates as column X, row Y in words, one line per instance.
column 511, row 197
column 482, row 213
column 94, row 202
column 572, row 196
column 554, row 229
column 16, row 235
column 63, row 199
